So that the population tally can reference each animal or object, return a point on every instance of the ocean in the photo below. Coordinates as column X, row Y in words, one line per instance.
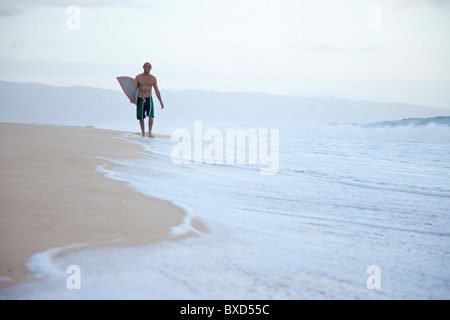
column 330, row 211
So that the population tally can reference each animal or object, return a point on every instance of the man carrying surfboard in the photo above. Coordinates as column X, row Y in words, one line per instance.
column 144, row 103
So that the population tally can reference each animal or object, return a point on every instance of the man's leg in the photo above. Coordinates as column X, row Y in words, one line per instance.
column 151, row 114
column 150, row 126
column 140, row 114
column 141, row 122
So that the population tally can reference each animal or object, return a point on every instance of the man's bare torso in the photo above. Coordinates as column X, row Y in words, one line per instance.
column 146, row 82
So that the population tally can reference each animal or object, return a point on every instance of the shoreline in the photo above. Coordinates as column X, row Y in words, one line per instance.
column 52, row 196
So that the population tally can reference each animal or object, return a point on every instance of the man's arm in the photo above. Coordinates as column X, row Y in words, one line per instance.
column 158, row 94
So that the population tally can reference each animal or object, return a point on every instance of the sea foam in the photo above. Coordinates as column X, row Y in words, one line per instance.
column 345, row 198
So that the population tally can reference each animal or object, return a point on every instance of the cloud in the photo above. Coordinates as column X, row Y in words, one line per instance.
column 309, row 46
column 13, row 7
column 403, row 4
column 306, row 45
column 17, row 44
column 369, row 48
column 8, row 8
column 84, row 3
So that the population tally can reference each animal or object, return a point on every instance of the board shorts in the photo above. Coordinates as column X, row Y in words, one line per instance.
column 144, row 108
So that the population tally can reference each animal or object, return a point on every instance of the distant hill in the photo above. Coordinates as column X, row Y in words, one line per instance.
column 272, row 109
column 86, row 106
column 83, row 106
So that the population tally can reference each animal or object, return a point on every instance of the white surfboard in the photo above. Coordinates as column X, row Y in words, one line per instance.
column 129, row 87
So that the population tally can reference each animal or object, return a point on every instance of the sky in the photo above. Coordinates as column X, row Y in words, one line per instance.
column 374, row 50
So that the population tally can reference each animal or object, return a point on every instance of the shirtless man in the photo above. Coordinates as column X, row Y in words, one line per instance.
column 145, row 101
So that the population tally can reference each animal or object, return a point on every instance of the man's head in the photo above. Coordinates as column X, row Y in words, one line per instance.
column 147, row 67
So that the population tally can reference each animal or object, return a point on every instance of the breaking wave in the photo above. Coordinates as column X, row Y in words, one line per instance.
column 420, row 130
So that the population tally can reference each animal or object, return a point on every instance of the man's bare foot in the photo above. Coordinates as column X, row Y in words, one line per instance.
column 150, row 135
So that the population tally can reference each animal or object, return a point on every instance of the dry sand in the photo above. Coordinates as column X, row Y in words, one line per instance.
column 52, row 196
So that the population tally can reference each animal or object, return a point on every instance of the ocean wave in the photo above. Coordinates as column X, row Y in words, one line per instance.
column 414, row 122
column 420, row 130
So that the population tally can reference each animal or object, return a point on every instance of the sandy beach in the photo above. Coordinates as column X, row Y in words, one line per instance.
column 52, row 196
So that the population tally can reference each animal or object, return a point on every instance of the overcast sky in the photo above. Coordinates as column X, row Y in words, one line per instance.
column 377, row 50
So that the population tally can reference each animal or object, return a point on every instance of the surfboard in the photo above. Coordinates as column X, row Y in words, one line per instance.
column 129, row 87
